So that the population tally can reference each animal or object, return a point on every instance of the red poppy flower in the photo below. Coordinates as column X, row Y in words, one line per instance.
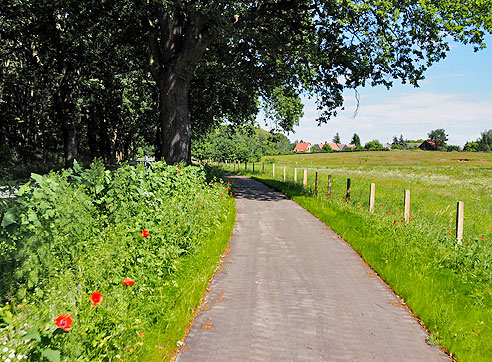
column 221, row 196
column 387, row 212
column 481, row 238
column 64, row 321
column 141, row 334
column 145, row 234
column 396, row 221
column 402, row 220
column 128, row 281
column 96, row 298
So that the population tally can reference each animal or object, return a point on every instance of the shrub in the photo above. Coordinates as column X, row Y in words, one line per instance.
column 77, row 232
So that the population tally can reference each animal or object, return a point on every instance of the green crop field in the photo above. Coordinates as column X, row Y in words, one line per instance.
column 447, row 285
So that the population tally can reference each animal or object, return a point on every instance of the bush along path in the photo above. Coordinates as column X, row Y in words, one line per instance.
column 292, row 290
column 108, row 265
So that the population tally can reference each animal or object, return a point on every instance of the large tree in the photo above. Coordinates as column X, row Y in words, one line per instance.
column 280, row 48
column 439, row 137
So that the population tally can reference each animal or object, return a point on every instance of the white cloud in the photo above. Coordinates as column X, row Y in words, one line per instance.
column 412, row 114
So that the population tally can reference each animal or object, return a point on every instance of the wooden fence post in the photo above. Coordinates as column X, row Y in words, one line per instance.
column 253, row 167
column 348, row 190
column 329, row 184
column 304, row 180
column 372, row 197
column 273, row 170
column 316, row 183
column 239, row 165
column 263, row 167
column 234, row 165
column 284, row 173
column 295, row 175
column 459, row 221
column 246, row 165
column 407, row 205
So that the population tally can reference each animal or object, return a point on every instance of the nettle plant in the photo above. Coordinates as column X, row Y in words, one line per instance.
column 85, row 254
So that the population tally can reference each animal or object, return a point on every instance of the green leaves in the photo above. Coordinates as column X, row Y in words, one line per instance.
column 51, row 354
column 32, row 334
column 72, row 238
column 8, row 218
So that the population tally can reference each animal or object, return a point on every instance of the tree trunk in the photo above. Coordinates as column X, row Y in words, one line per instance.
column 69, row 141
column 92, row 126
column 67, row 123
column 175, row 118
column 176, row 44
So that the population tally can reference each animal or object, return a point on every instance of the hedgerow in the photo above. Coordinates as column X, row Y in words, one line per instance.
column 122, row 234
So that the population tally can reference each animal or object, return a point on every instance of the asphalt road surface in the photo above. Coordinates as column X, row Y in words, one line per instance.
column 290, row 289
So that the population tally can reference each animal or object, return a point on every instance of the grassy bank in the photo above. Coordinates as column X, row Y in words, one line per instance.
column 447, row 285
column 109, row 265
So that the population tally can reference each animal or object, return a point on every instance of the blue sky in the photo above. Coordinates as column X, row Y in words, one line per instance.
column 456, row 95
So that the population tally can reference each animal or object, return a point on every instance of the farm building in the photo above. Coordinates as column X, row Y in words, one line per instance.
column 428, row 146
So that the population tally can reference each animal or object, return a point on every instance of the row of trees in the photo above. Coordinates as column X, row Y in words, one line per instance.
column 482, row 144
column 83, row 79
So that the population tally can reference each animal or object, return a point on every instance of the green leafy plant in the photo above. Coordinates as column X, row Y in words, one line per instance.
column 92, row 256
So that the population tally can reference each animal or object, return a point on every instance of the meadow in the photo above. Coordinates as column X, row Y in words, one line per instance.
column 447, row 285
column 100, row 265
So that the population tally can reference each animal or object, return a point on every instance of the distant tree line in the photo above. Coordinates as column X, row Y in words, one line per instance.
column 482, row 144
column 244, row 143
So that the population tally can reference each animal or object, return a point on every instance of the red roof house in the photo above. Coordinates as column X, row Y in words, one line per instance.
column 303, row 147
column 333, row 146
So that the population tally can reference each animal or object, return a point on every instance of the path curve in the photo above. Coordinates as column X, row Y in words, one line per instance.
column 291, row 289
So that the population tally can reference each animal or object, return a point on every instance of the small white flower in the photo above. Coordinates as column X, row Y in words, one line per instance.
column 20, row 356
column 12, row 355
column 5, row 349
column 8, row 360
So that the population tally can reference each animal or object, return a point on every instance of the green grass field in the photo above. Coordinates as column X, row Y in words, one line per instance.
column 448, row 286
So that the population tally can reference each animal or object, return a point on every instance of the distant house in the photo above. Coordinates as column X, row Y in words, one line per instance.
column 428, row 146
column 388, row 145
column 342, row 146
column 316, row 147
column 333, row 146
column 303, row 147
column 414, row 144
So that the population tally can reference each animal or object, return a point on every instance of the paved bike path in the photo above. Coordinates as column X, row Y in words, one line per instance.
column 290, row 289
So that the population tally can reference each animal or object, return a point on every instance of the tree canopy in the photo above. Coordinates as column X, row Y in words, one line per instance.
column 439, row 137
column 103, row 78
column 355, row 140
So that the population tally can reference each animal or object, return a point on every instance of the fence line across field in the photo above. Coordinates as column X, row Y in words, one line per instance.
column 372, row 193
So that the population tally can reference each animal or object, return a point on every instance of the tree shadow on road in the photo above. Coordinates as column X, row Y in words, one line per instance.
column 251, row 189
